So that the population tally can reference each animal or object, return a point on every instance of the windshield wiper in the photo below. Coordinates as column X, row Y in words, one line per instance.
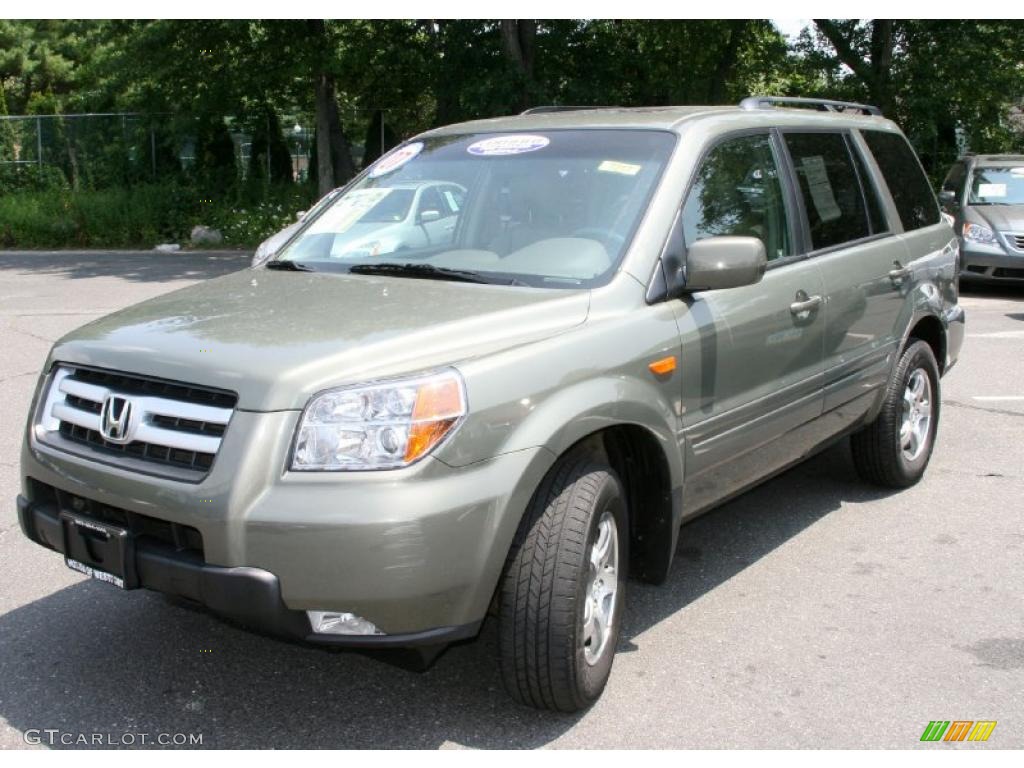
column 289, row 266
column 429, row 272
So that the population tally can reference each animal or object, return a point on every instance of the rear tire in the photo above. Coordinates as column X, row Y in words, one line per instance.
column 893, row 451
column 562, row 594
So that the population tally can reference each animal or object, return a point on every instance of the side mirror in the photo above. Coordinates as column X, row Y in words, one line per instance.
column 300, row 215
column 725, row 262
column 429, row 215
column 947, row 198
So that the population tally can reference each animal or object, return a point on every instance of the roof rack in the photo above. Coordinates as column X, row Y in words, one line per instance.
column 553, row 108
column 825, row 105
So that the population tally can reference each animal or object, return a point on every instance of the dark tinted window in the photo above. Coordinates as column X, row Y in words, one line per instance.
column 907, row 183
column 831, row 191
column 876, row 218
column 737, row 192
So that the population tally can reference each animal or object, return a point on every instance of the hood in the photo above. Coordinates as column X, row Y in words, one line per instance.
column 1001, row 218
column 276, row 338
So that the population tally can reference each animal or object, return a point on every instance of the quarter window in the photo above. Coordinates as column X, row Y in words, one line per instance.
column 831, row 191
column 737, row 192
column 905, row 178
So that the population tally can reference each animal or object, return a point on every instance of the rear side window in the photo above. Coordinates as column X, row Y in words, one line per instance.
column 831, row 191
column 907, row 183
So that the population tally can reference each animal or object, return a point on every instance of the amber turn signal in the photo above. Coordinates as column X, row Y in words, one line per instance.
column 663, row 366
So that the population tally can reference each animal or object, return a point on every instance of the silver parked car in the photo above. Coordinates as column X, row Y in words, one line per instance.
column 375, row 222
column 985, row 196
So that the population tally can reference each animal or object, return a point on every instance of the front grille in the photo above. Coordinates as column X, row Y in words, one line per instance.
column 1016, row 274
column 138, row 449
column 1017, row 241
column 176, row 426
column 180, row 537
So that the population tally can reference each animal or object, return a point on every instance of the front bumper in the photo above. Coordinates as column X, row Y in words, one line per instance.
column 990, row 264
column 417, row 551
column 248, row 596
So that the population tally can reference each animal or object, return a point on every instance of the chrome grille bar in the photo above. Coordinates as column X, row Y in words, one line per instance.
column 184, row 435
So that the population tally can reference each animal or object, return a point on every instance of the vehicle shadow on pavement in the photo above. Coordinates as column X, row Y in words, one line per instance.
column 91, row 659
column 135, row 266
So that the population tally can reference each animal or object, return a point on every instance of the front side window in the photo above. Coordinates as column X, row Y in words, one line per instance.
column 737, row 192
column 830, row 188
column 955, row 181
column 909, row 187
column 1002, row 185
column 551, row 209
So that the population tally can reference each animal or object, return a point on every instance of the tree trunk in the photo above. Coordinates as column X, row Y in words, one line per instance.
column 727, row 61
column 876, row 71
column 341, row 150
column 517, row 37
column 324, row 163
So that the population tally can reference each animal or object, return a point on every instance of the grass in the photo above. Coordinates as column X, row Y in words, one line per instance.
column 143, row 216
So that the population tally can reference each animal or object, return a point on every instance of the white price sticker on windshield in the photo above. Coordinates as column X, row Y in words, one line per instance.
column 991, row 190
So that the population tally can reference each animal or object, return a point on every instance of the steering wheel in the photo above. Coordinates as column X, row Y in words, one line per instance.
column 607, row 237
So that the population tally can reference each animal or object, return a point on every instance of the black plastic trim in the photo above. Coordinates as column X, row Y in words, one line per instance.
column 249, row 596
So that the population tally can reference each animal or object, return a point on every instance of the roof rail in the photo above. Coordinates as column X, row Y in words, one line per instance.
column 825, row 105
column 553, row 108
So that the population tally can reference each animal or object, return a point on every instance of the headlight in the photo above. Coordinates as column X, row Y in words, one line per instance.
column 979, row 234
column 379, row 426
column 262, row 253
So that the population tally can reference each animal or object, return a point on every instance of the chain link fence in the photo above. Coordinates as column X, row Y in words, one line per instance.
column 99, row 150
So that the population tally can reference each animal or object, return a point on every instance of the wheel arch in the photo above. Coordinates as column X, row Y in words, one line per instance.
column 931, row 330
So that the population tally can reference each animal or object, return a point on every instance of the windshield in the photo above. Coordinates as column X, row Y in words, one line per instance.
column 554, row 209
column 997, row 186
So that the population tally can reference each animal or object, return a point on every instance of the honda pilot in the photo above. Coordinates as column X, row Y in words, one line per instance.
column 497, row 373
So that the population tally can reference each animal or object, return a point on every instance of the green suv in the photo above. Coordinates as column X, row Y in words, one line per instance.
column 609, row 322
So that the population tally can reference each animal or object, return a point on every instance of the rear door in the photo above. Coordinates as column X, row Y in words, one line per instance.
column 930, row 246
column 862, row 265
column 752, row 356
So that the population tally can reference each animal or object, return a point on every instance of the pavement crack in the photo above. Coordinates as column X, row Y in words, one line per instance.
column 968, row 406
column 17, row 376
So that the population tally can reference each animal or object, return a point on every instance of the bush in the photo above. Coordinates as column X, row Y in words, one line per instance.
column 142, row 216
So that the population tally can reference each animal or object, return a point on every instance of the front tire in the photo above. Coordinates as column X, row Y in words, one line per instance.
column 893, row 451
column 562, row 594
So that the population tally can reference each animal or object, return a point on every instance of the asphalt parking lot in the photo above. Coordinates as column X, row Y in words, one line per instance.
column 811, row 612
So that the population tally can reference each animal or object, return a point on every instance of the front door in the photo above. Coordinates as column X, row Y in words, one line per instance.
column 752, row 357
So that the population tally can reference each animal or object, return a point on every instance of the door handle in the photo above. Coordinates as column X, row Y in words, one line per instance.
column 900, row 272
column 805, row 305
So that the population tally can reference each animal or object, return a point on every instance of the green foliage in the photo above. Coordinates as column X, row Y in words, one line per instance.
column 947, row 82
column 141, row 216
column 215, row 166
column 268, row 139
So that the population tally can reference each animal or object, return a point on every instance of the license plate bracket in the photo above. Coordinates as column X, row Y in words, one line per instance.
column 99, row 550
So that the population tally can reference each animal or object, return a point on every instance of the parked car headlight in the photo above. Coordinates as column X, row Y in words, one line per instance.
column 976, row 233
column 379, row 426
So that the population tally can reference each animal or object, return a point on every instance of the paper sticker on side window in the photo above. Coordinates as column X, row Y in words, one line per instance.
column 820, row 188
